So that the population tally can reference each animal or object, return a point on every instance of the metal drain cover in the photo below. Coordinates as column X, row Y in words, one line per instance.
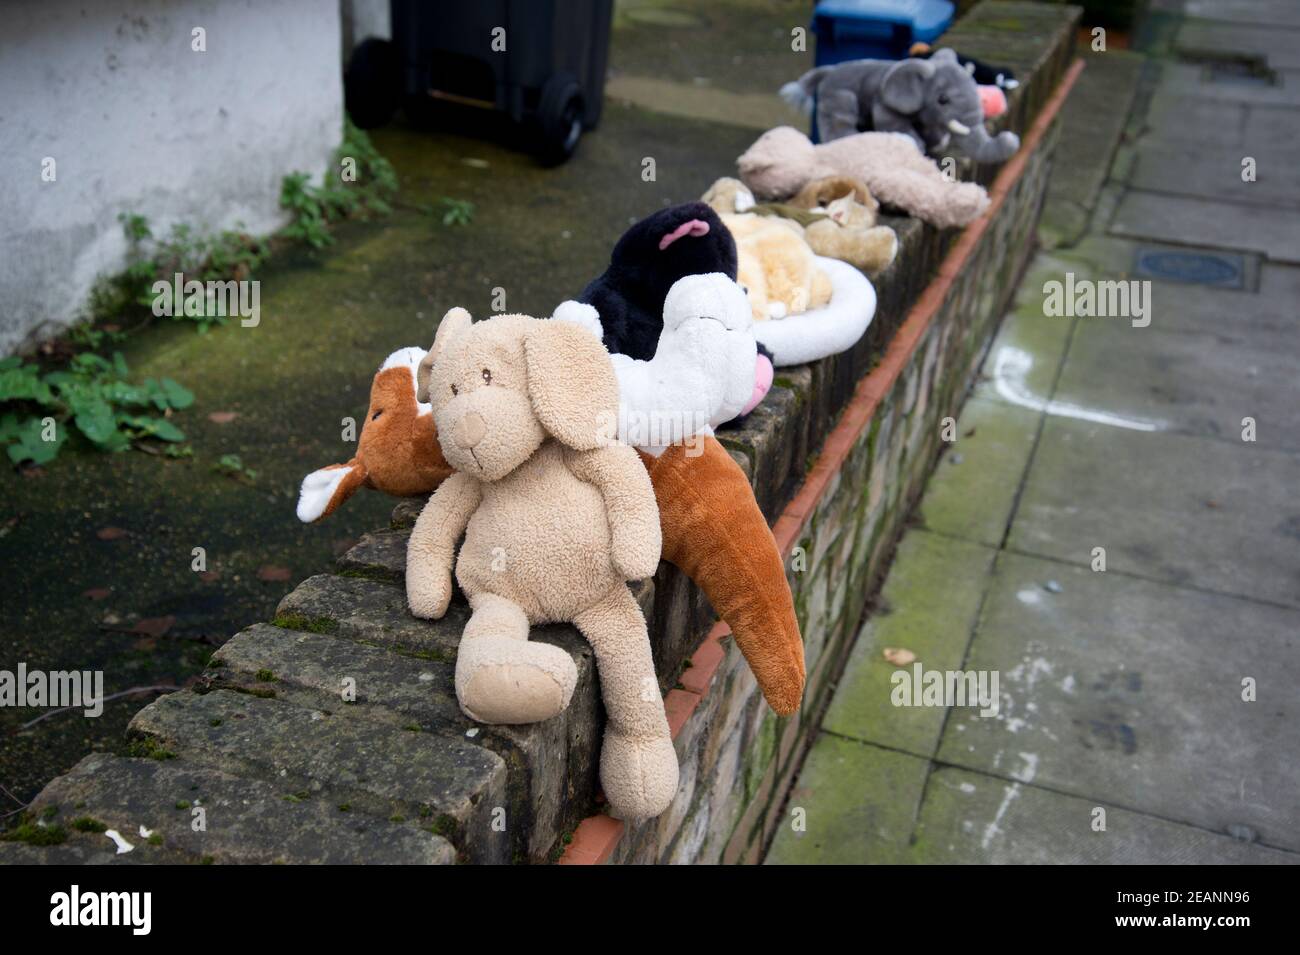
column 1192, row 266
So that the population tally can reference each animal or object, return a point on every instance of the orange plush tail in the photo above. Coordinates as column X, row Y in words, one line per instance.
column 714, row 531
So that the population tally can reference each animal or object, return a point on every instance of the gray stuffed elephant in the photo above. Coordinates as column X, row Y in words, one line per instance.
column 936, row 102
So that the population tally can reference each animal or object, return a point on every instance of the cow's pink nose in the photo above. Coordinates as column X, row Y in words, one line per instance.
column 469, row 431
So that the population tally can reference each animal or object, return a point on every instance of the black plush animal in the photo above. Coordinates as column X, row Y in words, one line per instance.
column 654, row 253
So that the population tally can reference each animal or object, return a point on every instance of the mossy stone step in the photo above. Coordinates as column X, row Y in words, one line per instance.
column 337, row 675
column 83, row 848
column 371, row 611
column 380, row 555
column 450, row 785
column 548, row 779
column 244, row 820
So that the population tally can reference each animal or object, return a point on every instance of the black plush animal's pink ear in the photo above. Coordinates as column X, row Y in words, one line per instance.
column 692, row 227
column 324, row 490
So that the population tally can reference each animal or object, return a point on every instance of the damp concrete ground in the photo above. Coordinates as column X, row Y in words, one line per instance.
column 1103, row 535
column 328, row 319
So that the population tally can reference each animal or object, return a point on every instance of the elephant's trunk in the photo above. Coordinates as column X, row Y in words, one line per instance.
column 976, row 143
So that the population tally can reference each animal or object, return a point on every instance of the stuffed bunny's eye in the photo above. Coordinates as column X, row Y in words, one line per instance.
column 487, row 377
column 455, row 390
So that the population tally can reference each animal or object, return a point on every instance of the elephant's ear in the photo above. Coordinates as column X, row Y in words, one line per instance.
column 903, row 89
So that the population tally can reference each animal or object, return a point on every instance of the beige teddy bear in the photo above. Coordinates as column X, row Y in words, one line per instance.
column 776, row 267
column 557, row 517
column 836, row 216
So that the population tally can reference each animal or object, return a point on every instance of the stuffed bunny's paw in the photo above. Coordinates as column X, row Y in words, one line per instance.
column 428, row 595
column 503, row 681
column 638, row 774
column 635, row 555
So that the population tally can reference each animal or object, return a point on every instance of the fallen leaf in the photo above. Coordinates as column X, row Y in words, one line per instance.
column 273, row 573
column 899, row 656
column 145, row 644
column 96, row 593
column 154, row 626
column 110, row 533
column 207, row 576
column 223, row 417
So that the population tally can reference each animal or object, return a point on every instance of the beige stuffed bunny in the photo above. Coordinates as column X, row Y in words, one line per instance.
column 557, row 518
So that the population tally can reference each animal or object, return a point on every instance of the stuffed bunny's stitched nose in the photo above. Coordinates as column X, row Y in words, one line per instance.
column 469, row 431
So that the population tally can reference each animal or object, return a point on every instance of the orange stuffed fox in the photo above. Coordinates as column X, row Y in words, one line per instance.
column 711, row 525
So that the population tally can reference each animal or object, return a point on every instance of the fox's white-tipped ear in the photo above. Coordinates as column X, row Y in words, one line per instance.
column 324, row 490
column 580, row 313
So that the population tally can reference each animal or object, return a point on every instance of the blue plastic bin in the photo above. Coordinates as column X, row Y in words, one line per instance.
column 876, row 29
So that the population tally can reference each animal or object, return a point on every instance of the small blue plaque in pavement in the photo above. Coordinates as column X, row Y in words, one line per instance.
column 1194, row 266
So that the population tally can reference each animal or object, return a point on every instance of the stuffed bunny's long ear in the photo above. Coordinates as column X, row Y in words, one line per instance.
column 455, row 322
column 324, row 490
column 571, row 383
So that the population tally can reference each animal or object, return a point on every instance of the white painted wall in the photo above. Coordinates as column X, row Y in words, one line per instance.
column 137, row 121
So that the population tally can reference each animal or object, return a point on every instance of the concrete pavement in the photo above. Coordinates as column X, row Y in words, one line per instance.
column 1114, row 531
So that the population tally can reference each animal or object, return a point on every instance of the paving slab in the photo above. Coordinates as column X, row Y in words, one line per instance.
column 1195, row 384
column 1265, row 317
column 1220, row 38
column 973, row 489
column 1184, row 118
column 1026, row 354
column 928, row 606
column 1120, row 689
column 1185, row 510
column 1215, row 171
column 1282, row 13
column 970, row 818
column 1183, row 220
column 1270, row 127
column 858, row 804
column 245, row 821
column 1197, row 80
